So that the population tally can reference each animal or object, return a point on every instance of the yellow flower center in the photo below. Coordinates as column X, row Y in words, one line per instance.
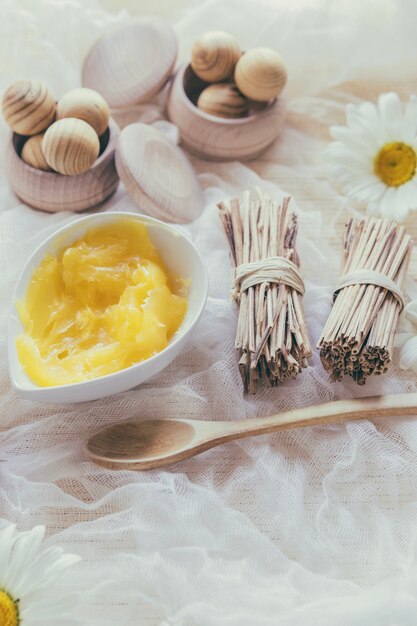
column 9, row 612
column 395, row 163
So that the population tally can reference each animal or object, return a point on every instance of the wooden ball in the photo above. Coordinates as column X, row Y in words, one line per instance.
column 70, row 146
column 260, row 74
column 28, row 107
column 85, row 104
column 32, row 153
column 214, row 56
column 223, row 100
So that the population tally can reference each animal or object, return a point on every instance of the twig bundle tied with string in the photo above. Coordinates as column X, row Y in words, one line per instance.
column 359, row 334
column 271, row 334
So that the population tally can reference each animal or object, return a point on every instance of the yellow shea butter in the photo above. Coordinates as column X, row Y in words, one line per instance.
column 104, row 303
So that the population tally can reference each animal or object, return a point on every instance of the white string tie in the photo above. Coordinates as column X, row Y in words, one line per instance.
column 371, row 277
column 276, row 269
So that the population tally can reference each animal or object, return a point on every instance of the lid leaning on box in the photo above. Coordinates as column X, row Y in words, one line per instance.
column 157, row 174
column 128, row 66
column 131, row 63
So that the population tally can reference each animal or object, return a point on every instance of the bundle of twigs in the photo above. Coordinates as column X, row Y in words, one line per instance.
column 271, row 334
column 359, row 334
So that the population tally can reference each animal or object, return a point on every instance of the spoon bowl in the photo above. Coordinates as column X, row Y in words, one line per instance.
column 145, row 440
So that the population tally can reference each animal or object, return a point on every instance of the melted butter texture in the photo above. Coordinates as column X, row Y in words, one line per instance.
column 103, row 304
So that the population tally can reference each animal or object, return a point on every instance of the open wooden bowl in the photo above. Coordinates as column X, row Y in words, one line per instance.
column 54, row 192
column 217, row 138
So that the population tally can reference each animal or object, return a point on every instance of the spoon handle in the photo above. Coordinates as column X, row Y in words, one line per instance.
column 329, row 413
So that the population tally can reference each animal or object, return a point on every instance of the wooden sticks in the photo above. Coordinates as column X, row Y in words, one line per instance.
column 272, row 334
column 359, row 334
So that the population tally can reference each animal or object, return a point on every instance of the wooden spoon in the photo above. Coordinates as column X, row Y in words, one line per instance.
column 147, row 444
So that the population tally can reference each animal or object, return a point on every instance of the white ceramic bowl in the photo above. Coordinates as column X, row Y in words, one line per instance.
column 181, row 258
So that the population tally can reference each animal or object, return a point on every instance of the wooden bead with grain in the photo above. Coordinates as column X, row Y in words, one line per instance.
column 32, row 153
column 28, row 107
column 70, row 146
column 214, row 56
column 85, row 104
column 223, row 100
column 260, row 74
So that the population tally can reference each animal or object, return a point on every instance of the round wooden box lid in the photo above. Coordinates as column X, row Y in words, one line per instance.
column 131, row 64
column 157, row 175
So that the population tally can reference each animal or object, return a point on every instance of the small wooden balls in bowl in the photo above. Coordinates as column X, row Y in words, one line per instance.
column 259, row 74
column 226, row 103
column 60, row 156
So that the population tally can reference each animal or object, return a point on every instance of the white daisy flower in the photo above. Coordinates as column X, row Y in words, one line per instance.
column 29, row 595
column 374, row 157
column 408, row 340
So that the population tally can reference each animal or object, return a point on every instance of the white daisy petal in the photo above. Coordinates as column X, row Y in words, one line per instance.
column 367, row 189
column 400, row 207
column 353, row 140
column 408, row 355
column 367, row 122
column 387, row 203
column 25, row 548
column 345, row 162
column 410, row 312
column 52, row 563
column 410, row 193
column 28, row 579
column 405, row 200
column 6, row 545
column 373, row 208
column 391, row 112
column 370, row 117
column 71, row 621
column 339, row 154
column 410, row 119
column 333, row 130
column 47, row 606
column 402, row 338
column 401, row 213
column 351, row 113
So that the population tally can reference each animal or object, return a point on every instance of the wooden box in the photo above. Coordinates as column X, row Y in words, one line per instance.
column 54, row 192
column 217, row 138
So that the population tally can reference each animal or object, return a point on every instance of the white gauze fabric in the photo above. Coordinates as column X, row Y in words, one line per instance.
column 314, row 526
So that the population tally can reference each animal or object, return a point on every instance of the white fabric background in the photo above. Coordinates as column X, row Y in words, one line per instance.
column 315, row 526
